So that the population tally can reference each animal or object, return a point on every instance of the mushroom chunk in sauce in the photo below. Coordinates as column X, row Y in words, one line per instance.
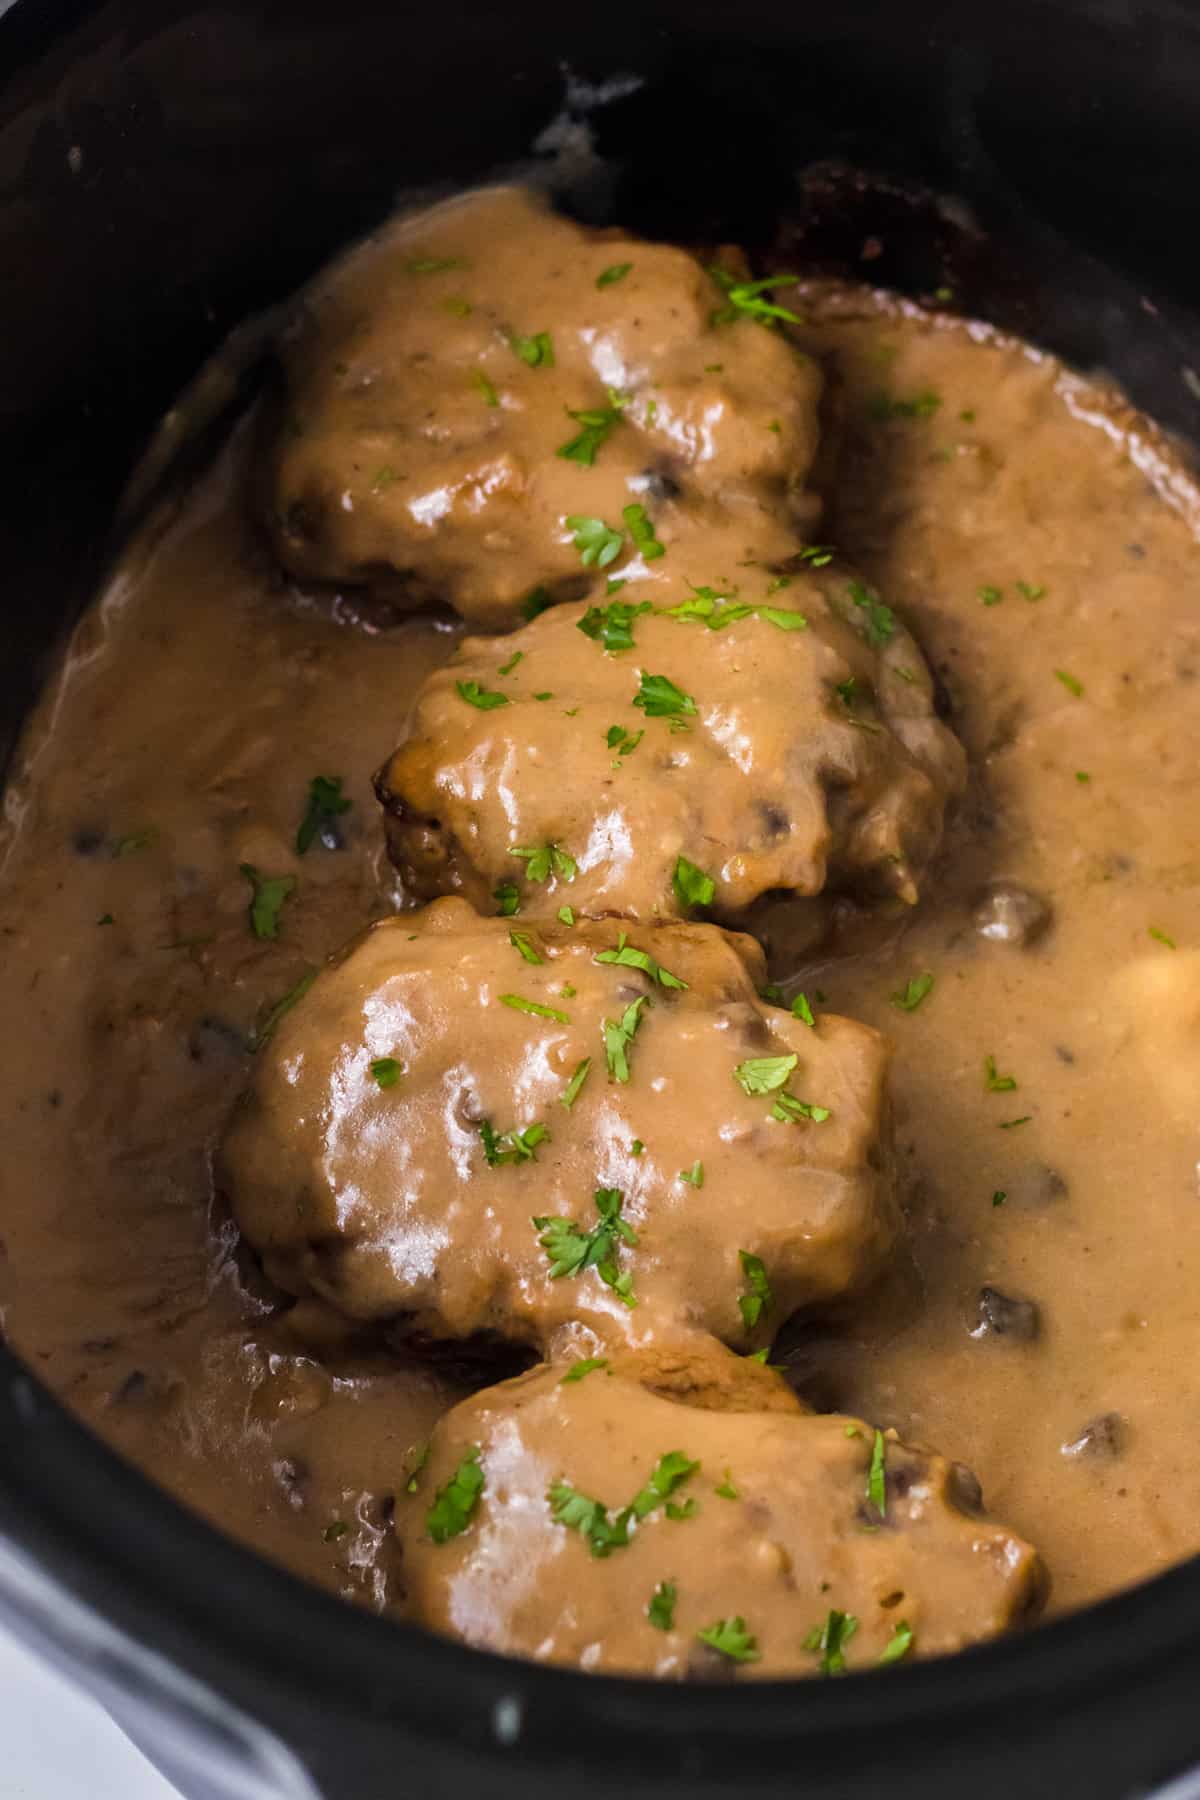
column 205, row 707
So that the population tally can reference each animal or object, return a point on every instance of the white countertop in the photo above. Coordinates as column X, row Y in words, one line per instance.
column 58, row 1743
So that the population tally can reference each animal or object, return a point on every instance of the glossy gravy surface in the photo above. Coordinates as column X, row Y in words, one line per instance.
column 1039, row 540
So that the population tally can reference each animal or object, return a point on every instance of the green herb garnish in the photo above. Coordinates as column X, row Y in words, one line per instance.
column 535, row 602
column 693, row 1176
column 523, row 944
column 537, row 351
column 627, row 956
column 1069, row 682
column 915, row 989
column 880, row 619
column 764, row 1074
column 597, row 543
column 519, row 1004
column 294, row 994
column 543, row 860
column 670, row 1473
column 582, row 1366
column 920, row 406
column 994, row 1082
column 803, row 1011
column 744, row 300
column 134, row 841
column 617, row 272
column 831, row 1639
column 1160, row 937
column 877, row 1476
column 572, row 1250
column 270, row 892
column 642, row 532
column 759, row 1300
column 508, row 897
column 661, row 1610
column 731, row 1639
column 486, row 699
column 570, row 1093
column 612, row 625
column 899, row 1644
column 325, row 803
column 386, row 1070
column 619, row 1035
column 596, row 425
column 659, row 698
column 454, row 1504
column 622, row 741
column 490, row 396
column 692, row 886
column 503, row 1147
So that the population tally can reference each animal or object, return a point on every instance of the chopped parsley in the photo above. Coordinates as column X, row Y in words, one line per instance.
column 537, row 351
column 294, row 994
column 731, row 1639
column 711, row 606
column 877, row 1476
column 490, row 396
column 754, row 1305
column 1160, row 937
column 661, row 1610
column 727, row 1489
column 454, row 1504
column 1082, row 777
column 1011, row 1124
column 915, row 989
column 642, row 532
column 1069, row 681
column 764, row 1074
column 523, row 944
column 622, row 741
column 628, row 956
column 583, row 1366
column 803, row 1011
column 920, row 406
column 566, row 915
column 325, row 802
column 993, row 1081
column 486, row 699
column 899, row 1644
column 543, row 860
column 590, row 1518
column 334, row 1532
column 420, row 1458
column 880, row 620
column 520, row 1004
column 508, row 667
column 999, row 1197
column 572, row 1250
column 637, row 1147
column 619, row 1035
column 106, row 919
column 434, row 265
column 785, row 617
column 457, row 307
column 616, row 272
column 535, row 602
column 596, row 425
column 831, row 1639
column 269, row 894
column 692, row 886
column 787, row 1109
column 659, row 698
column 597, row 543
column 670, row 1473
column 508, row 898
column 744, row 300
column 503, row 1147
column 612, row 625
column 570, row 1093
column 386, row 1070
column 1030, row 590
column 693, row 1176
column 991, row 596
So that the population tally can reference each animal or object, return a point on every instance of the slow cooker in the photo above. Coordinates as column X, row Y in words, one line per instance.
column 168, row 170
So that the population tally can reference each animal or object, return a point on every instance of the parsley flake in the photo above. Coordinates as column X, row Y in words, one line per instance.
column 920, row 406
column 617, row 272
column 991, row 596
column 597, row 543
column 744, row 300
column 325, row 802
column 659, row 698
column 578, row 1512
column 877, row 1476
column 670, row 1473
column 543, row 860
column 508, row 667
column 485, row 699
column 1160, row 937
column 570, row 1093
column 831, row 1639
column 1030, row 590
column 521, row 942
column 693, row 1176
column 536, row 601
column 803, row 1011
column 386, row 1070
column 899, row 1644
column 519, row 1004
column 727, row 1489
column 879, row 619
column 508, row 898
column 692, row 886
column 622, row 741
column 1069, row 681
column 454, row 1504
column 994, row 1082
column 281, row 1007
column 612, row 625
column 642, row 532
column 916, row 989
column 136, row 840
column 754, row 1305
column 628, row 956
column 661, row 1610
column 583, row 1366
column 501, row 1148
column 537, row 351
column 764, row 1074
column 490, row 396
column 571, row 1250
column 596, row 425
column 619, row 1035
column 731, row 1639
column 270, row 892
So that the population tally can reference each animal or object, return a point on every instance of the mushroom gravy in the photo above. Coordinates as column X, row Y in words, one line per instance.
column 1043, row 1002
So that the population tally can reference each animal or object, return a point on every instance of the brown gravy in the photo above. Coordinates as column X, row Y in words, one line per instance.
column 1039, row 538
